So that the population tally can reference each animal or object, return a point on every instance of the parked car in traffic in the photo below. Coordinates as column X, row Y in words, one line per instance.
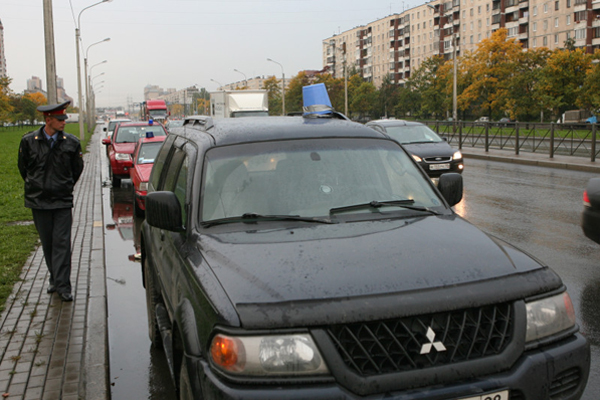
column 428, row 149
column 121, row 145
column 311, row 258
column 143, row 159
column 590, row 219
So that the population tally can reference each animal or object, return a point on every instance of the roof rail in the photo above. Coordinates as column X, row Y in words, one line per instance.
column 202, row 121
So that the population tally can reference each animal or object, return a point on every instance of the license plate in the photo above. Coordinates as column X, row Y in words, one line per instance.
column 437, row 167
column 503, row 395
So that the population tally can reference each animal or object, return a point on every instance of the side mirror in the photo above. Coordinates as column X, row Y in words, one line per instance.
column 450, row 186
column 163, row 211
column 106, row 141
column 590, row 218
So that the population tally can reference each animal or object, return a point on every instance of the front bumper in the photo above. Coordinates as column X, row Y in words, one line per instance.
column 557, row 371
column 455, row 166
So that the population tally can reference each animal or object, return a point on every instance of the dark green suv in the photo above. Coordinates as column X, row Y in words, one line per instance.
column 311, row 258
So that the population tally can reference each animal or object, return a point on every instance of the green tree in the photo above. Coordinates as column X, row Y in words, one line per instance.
column 363, row 98
column 427, row 82
column 387, row 98
column 589, row 98
column 562, row 79
column 273, row 87
column 293, row 94
column 526, row 102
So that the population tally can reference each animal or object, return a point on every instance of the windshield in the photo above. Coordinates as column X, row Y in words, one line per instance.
column 131, row 134
column 148, row 152
column 413, row 134
column 308, row 178
column 157, row 113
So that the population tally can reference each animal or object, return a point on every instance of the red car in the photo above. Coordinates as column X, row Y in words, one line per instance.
column 122, row 145
column 143, row 160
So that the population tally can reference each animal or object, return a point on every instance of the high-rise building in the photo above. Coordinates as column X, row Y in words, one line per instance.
column 34, row 84
column 2, row 55
column 398, row 44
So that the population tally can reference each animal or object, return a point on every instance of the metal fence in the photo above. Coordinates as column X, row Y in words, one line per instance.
column 580, row 140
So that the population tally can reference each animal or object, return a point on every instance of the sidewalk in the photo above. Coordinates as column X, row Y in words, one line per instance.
column 50, row 349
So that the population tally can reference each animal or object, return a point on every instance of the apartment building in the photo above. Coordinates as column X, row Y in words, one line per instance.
column 398, row 44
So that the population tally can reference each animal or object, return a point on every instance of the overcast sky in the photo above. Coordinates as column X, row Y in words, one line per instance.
column 177, row 43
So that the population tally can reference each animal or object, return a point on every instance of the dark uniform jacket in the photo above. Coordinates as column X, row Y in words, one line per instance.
column 49, row 173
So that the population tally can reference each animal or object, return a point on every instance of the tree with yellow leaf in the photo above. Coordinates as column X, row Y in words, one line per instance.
column 489, row 71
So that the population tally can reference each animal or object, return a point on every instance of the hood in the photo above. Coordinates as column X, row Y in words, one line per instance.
column 127, row 148
column 426, row 150
column 144, row 171
column 339, row 271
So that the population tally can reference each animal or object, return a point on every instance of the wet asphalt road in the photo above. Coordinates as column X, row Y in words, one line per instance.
column 535, row 208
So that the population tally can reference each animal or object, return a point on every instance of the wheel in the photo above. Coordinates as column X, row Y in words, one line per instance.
column 185, row 386
column 152, row 299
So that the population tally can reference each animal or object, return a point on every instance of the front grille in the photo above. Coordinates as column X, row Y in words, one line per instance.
column 565, row 384
column 425, row 341
column 437, row 159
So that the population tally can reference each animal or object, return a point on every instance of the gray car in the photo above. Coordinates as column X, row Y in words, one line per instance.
column 428, row 149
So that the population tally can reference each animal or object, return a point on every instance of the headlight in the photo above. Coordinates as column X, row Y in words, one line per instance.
column 144, row 186
column 417, row 158
column 267, row 355
column 122, row 156
column 548, row 316
column 457, row 155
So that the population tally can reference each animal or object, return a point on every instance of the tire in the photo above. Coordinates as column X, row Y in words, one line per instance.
column 152, row 299
column 185, row 386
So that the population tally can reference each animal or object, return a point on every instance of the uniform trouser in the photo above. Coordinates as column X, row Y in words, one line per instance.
column 54, row 228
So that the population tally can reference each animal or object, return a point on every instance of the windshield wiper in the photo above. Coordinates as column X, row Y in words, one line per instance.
column 378, row 204
column 250, row 218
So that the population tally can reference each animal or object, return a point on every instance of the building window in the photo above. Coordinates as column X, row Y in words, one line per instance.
column 512, row 32
column 580, row 34
column 487, row 7
column 471, row 12
column 534, row 42
column 471, row 39
column 479, row 38
column 556, row 5
column 545, row 7
column 568, row 20
column 556, row 39
column 534, row 10
column 556, row 22
column 580, row 16
column 545, row 25
column 479, row 10
column 568, row 3
column 535, row 26
column 545, row 41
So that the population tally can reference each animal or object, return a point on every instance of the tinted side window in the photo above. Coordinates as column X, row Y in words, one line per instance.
column 160, row 160
column 181, row 187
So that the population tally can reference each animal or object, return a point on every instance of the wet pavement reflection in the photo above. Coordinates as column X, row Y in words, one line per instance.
column 137, row 371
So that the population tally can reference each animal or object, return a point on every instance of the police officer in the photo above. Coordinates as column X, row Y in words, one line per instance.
column 50, row 162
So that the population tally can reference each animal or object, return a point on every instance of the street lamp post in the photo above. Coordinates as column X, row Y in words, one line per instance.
column 77, row 39
column 282, row 86
column 245, row 80
column 87, row 88
column 220, row 86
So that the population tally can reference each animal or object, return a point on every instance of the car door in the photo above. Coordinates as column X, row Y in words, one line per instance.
column 176, row 179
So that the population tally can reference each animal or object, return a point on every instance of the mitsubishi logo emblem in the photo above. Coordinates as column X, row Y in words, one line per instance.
column 426, row 348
